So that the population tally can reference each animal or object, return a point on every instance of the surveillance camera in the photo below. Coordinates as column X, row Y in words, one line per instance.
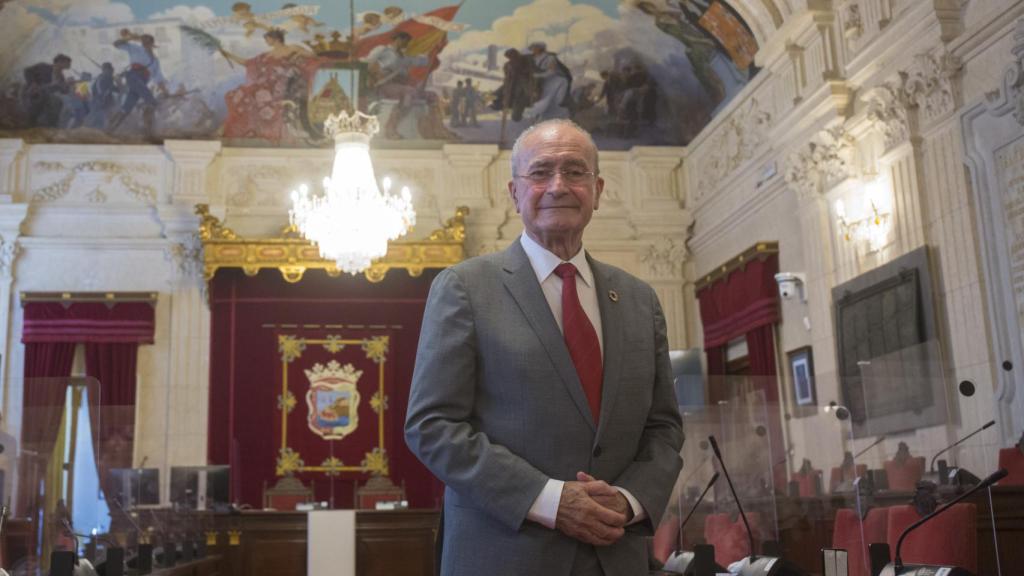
column 790, row 284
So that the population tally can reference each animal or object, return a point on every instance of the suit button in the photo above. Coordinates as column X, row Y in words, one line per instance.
column 597, row 451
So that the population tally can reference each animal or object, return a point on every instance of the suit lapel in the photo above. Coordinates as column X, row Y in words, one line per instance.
column 611, row 330
column 522, row 284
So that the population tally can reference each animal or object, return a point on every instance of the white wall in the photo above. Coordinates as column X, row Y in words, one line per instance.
column 869, row 87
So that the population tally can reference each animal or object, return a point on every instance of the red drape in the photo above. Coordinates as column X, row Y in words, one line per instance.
column 47, row 367
column 112, row 334
column 88, row 322
column 746, row 299
column 113, row 413
column 247, row 316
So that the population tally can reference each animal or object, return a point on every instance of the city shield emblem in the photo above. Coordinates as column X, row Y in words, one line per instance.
column 333, row 400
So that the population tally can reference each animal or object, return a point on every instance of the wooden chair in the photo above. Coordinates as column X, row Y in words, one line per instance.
column 377, row 489
column 286, row 494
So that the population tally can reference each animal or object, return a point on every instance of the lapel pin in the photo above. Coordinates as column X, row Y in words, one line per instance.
column 613, row 295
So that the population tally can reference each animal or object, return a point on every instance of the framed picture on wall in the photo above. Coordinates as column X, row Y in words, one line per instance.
column 801, row 371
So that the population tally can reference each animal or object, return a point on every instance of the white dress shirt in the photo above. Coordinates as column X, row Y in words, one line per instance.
column 545, row 508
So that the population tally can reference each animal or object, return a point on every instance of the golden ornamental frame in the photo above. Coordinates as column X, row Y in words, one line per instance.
column 289, row 461
column 292, row 255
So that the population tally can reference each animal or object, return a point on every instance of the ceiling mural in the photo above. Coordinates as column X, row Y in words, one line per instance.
column 267, row 73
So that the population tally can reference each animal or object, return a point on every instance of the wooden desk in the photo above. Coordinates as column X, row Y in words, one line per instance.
column 209, row 566
column 387, row 543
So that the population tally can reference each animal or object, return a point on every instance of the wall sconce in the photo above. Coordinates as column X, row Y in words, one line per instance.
column 869, row 225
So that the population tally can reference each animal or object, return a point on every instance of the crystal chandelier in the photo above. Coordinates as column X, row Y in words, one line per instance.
column 352, row 221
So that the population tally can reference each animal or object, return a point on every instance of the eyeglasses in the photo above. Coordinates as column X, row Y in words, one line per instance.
column 540, row 176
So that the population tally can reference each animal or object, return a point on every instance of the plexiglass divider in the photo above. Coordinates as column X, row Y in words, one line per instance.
column 73, row 487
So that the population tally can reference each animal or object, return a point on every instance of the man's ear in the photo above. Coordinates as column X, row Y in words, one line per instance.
column 512, row 194
column 598, row 189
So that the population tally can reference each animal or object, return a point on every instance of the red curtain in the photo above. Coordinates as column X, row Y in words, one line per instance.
column 113, row 413
column 112, row 334
column 88, row 322
column 745, row 299
column 247, row 316
column 47, row 367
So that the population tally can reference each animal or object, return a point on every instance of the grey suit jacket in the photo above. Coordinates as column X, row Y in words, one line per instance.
column 496, row 409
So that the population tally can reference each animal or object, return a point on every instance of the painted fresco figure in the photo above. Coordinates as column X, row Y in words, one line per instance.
column 41, row 96
column 611, row 91
column 455, row 106
column 76, row 102
column 241, row 12
column 301, row 22
column 275, row 89
column 103, row 99
column 700, row 49
column 143, row 68
column 553, row 84
column 389, row 76
column 638, row 99
column 515, row 92
column 470, row 102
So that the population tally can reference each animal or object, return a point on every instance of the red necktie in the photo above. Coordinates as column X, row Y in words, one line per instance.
column 581, row 339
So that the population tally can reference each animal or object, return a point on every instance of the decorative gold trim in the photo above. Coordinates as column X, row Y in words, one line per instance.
column 292, row 255
column 234, row 537
column 376, row 461
column 70, row 297
column 759, row 250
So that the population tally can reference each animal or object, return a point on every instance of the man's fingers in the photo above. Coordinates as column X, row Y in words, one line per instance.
column 584, row 477
column 608, row 516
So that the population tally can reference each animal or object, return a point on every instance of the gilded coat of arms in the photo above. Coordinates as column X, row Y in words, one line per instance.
column 333, row 400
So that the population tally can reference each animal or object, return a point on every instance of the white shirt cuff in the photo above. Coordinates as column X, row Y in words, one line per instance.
column 545, row 508
column 639, row 514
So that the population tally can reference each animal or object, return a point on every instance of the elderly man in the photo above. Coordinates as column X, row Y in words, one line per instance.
column 542, row 393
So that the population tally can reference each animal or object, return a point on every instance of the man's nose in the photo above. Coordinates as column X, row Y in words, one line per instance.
column 557, row 183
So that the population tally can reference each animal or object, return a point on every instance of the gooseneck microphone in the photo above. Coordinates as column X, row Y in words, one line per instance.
column 870, row 446
column 732, row 489
column 756, row 565
column 681, row 562
column 989, row 424
column 897, row 563
column 694, row 509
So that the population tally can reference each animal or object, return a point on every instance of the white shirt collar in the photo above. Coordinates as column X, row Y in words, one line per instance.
column 544, row 262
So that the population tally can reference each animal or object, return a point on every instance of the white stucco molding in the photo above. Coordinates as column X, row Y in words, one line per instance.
column 191, row 160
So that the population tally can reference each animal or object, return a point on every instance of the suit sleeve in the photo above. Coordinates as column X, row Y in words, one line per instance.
column 439, row 426
column 651, row 476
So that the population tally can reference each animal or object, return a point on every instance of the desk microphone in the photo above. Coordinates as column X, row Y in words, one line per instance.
column 931, row 466
column 679, row 561
column 755, row 565
column 896, row 568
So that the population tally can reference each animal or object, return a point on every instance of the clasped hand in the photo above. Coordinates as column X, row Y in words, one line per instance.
column 592, row 511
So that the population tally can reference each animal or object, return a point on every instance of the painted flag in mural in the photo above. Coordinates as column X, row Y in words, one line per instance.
column 429, row 36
